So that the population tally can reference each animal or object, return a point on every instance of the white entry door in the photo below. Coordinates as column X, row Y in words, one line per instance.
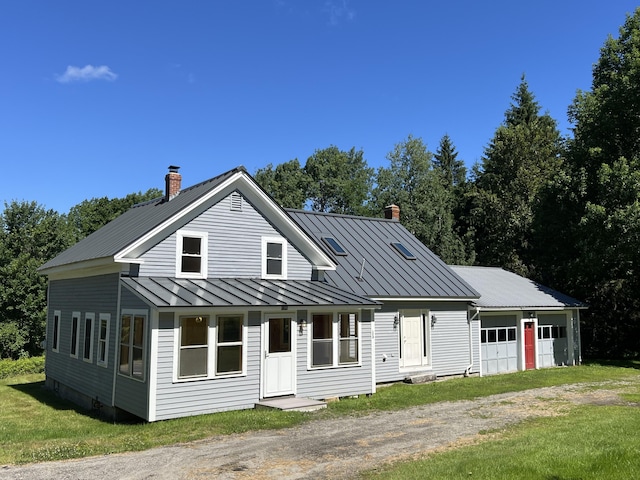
column 279, row 356
column 411, row 331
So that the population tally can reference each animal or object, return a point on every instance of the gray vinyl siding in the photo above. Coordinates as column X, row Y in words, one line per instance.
column 182, row 399
column 97, row 294
column 234, row 249
column 132, row 394
column 451, row 350
column 338, row 381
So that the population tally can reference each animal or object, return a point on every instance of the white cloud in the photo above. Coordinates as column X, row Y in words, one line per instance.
column 86, row 74
column 339, row 10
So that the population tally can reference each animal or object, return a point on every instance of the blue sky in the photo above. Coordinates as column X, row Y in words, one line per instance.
column 98, row 98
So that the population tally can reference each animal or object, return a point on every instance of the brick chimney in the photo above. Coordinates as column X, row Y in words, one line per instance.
column 392, row 212
column 173, row 182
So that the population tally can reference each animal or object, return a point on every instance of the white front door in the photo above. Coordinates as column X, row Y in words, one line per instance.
column 411, row 332
column 279, row 356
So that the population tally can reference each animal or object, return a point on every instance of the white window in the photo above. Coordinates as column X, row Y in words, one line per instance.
column 274, row 258
column 210, row 347
column 132, row 331
column 191, row 254
column 335, row 339
column 103, row 339
column 55, row 341
column 75, row 334
column 87, row 353
column 194, row 346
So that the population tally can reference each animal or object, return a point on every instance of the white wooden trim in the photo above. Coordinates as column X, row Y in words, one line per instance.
column 106, row 317
column 284, row 244
column 204, row 253
column 92, row 316
column 78, row 316
column 153, row 366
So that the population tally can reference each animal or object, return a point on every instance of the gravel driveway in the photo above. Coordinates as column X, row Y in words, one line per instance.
column 336, row 448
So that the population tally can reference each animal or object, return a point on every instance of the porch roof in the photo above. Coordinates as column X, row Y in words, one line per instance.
column 241, row 292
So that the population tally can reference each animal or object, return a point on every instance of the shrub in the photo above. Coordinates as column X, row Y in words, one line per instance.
column 24, row 366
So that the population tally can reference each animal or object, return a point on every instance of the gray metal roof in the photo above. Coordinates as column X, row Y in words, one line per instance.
column 502, row 289
column 386, row 273
column 241, row 292
column 133, row 224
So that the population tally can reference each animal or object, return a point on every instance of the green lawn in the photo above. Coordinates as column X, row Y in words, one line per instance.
column 36, row 426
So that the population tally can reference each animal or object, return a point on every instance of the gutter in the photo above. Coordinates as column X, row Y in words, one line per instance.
column 468, row 369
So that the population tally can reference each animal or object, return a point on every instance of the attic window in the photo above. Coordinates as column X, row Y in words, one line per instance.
column 334, row 245
column 236, row 202
column 404, row 251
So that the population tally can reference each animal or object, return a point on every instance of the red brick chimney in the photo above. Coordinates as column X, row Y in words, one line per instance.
column 173, row 182
column 392, row 212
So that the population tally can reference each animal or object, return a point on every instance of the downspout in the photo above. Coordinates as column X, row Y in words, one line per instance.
column 468, row 369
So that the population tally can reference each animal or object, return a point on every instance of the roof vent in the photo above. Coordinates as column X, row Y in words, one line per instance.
column 236, row 202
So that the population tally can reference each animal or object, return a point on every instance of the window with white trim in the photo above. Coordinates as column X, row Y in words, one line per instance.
column 75, row 334
column 335, row 339
column 132, row 328
column 87, row 352
column 103, row 339
column 194, row 346
column 274, row 258
column 55, row 334
column 229, row 345
column 191, row 254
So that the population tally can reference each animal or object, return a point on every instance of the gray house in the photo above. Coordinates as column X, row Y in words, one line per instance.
column 215, row 298
column 523, row 324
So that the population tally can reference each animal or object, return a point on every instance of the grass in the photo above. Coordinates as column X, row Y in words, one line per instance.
column 37, row 426
column 594, row 442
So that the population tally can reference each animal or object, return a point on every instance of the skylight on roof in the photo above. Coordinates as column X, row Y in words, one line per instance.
column 404, row 251
column 334, row 245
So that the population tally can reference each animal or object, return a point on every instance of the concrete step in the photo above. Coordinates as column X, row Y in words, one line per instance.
column 291, row 404
column 420, row 378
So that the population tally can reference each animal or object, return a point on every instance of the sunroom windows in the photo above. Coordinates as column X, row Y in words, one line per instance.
column 211, row 347
column 335, row 339
column 132, row 345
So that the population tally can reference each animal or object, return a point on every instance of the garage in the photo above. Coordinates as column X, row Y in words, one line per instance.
column 553, row 345
column 499, row 344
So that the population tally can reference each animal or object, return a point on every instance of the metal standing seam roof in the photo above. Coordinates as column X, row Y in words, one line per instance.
column 502, row 289
column 134, row 224
column 240, row 292
column 386, row 273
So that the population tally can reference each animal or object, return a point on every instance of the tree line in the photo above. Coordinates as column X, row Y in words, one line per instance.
column 562, row 210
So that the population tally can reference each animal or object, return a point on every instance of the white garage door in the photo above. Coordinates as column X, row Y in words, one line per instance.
column 552, row 345
column 499, row 350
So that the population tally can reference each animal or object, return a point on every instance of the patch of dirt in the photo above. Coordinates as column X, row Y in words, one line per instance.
column 334, row 448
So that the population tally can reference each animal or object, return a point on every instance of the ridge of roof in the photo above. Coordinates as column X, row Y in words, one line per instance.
column 341, row 215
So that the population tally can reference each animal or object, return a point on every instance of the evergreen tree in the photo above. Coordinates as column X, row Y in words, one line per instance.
column 446, row 160
column 523, row 156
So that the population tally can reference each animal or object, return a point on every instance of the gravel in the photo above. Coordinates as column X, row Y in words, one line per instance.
column 326, row 449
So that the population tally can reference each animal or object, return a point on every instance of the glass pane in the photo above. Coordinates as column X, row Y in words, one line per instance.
column 103, row 329
column 191, row 264
column 483, row 336
column 492, row 336
column 274, row 267
column 229, row 329
column 512, row 334
column 229, row 359
column 191, row 245
column 349, row 351
column 279, row 335
column 102, row 350
column 502, row 335
column 348, row 325
column 87, row 338
column 193, row 362
column 322, row 326
column 562, row 332
column 124, row 359
column 274, row 250
column 322, row 353
column 56, row 322
column 138, row 331
column 546, row 332
column 126, row 325
column 74, row 336
column 193, row 331
column 138, row 363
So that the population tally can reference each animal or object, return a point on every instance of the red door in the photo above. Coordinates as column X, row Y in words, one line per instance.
column 529, row 346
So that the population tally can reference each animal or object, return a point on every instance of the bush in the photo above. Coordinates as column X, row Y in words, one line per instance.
column 24, row 366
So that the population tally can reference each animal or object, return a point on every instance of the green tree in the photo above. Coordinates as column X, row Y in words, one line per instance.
column 287, row 183
column 90, row 215
column 523, row 156
column 425, row 205
column 604, row 195
column 29, row 236
column 339, row 181
column 446, row 160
